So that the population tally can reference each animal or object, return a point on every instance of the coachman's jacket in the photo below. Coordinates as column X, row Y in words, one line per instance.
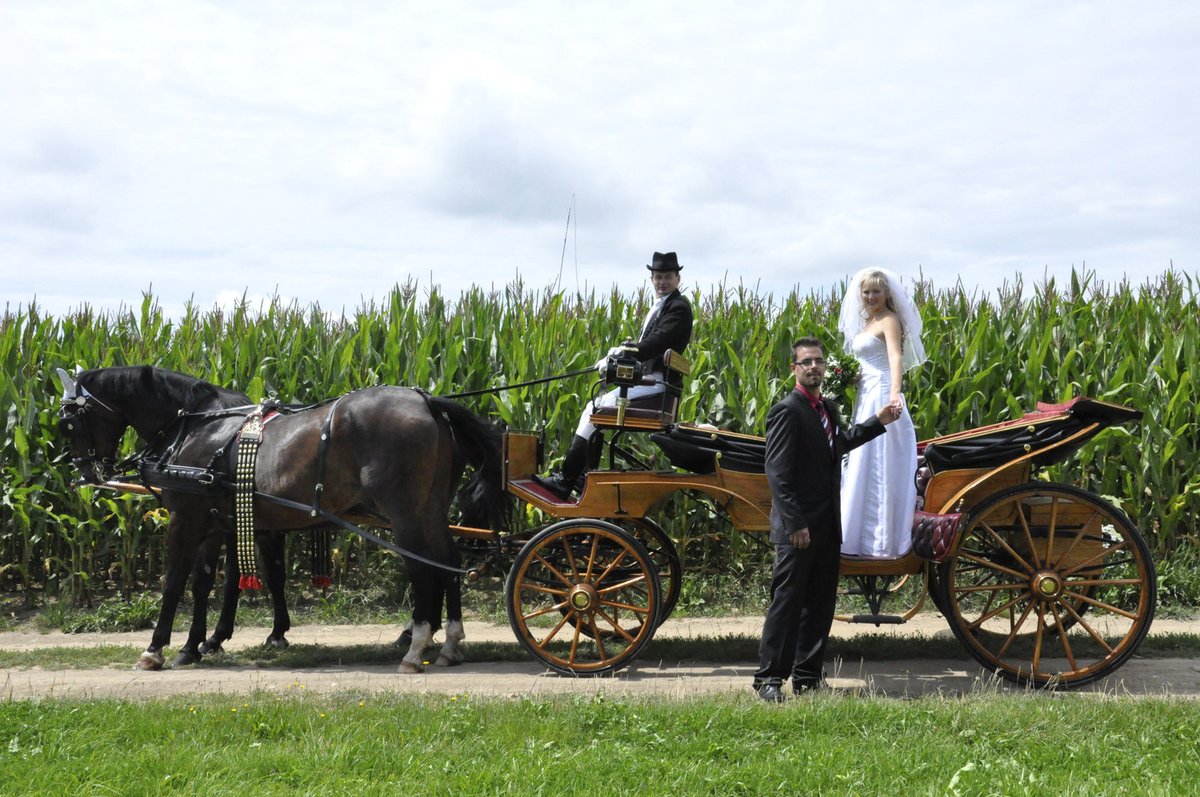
column 670, row 328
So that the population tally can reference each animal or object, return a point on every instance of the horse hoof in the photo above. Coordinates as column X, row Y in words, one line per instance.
column 149, row 661
column 409, row 668
column 208, row 648
column 279, row 643
column 185, row 658
column 447, row 661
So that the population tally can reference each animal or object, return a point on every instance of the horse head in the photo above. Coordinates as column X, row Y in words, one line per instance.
column 92, row 427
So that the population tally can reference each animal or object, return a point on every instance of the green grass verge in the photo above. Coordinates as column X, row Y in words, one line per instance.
column 367, row 744
column 731, row 649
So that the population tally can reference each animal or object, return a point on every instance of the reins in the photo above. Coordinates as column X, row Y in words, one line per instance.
column 502, row 388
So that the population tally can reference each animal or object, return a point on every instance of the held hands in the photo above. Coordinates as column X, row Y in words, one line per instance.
column 800, row 539
column 891, row 411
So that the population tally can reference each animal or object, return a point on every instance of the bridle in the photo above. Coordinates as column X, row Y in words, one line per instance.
column 73, row 421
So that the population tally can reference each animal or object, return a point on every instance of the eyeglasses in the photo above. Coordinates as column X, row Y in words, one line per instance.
column 809, row 363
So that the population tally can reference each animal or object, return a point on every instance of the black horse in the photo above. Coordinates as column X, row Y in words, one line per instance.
column 393, row 453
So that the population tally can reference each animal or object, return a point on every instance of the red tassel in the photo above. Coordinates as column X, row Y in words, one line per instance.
column 323, row 582
column 249, row 582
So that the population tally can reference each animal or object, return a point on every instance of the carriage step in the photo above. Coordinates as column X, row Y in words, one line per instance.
column 878, row 619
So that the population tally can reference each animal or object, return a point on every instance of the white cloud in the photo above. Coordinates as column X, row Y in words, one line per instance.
column 330, row 150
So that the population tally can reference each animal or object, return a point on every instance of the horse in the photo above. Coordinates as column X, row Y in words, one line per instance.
column 389, row 452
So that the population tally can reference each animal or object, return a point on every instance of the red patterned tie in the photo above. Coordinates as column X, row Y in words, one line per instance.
column 826, row 423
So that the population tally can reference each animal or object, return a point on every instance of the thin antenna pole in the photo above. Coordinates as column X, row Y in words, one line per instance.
column 566, row 233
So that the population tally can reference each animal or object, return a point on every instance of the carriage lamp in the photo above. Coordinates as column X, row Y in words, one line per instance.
column 625, row 371
column 624, row 368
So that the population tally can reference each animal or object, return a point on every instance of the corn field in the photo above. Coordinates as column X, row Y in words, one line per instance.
column 991, row 358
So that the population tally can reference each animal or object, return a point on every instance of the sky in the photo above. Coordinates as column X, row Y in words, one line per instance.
column 325, row 151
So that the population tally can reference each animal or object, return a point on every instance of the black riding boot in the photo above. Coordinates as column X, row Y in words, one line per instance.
column 577, row 458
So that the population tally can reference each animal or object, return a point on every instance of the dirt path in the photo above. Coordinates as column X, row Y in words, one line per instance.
column 1179, row 677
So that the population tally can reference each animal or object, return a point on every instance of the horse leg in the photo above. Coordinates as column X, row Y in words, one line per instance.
column 451, row 585
column 230, row 593
column 422, row 630
column 271, row 546
column 203, row 577
column 180, row 555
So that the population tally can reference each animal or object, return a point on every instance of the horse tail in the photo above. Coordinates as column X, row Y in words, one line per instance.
column 483, row 501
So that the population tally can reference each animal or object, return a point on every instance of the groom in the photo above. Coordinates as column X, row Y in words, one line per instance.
column 804, row 470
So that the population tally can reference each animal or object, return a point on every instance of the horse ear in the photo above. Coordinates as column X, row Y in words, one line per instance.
column 146, row 375
column 68, row 384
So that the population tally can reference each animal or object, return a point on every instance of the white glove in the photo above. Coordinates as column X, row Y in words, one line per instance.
column 602, row 363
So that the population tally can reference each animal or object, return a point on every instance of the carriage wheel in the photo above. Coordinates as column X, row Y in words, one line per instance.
column 583, row 574
column 666, row 557
column 1049, row 584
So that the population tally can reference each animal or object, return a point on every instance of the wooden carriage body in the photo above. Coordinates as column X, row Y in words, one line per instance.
column 1026, row 587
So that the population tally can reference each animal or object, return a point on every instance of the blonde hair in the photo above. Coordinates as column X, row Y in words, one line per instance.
column 877, row 279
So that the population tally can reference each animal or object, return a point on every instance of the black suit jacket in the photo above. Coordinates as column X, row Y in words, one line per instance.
column 671, row 329
column 805, row 475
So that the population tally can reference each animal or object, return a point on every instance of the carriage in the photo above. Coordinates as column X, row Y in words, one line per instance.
column 1043, row 583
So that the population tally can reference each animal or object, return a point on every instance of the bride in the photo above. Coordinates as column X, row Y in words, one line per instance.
column 882, row 329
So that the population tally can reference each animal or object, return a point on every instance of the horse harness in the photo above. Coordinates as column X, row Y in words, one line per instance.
column 158, row 472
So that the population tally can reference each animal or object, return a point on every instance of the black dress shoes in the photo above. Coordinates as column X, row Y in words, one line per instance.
column 556, row 484
column 770, row 693
column 806, row 687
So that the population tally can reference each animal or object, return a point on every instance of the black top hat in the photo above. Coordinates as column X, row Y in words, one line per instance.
column 665, row 262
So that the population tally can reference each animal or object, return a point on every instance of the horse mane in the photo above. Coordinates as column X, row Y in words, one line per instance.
column 186, row 391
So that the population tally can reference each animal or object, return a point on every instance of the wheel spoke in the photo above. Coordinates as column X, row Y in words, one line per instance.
column 990, row 587
column 559, row 593
column 638, row 579
column 1079, row 535
column 570, row 557
column 1050, row 537
column 574, row 643
column 1091, row 631
column 993, row 566
column 1102, row 605
column 616, row 626
column 1099, row 555
column 592, row 558
column 1000, row 539
column 553, row 570
column 1062, row 634
column 1028, row 535
column 553, row 633
column 558, row 607
column 996, row 612
column 612, row 565
column 598, row 637
column 626, row 606
column 1104, row 582
column 1037, row 644
column 1016, row 628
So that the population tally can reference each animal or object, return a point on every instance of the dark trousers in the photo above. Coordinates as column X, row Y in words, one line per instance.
column 803, row 598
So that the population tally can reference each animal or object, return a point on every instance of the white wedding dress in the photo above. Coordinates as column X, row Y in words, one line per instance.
column 879, row 492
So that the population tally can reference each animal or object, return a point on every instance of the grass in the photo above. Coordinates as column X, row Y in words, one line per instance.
column 369, row 744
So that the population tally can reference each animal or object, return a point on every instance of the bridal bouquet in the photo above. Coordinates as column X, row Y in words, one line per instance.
column 841, row 373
